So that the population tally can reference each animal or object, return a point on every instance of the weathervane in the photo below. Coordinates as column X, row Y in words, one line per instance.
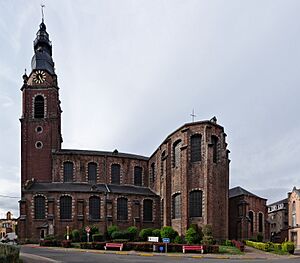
column 42, row 8
column 193, row 115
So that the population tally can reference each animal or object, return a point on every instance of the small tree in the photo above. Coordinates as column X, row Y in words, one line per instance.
column 192, row 236
column 168, row 232
column 156, row 233
column 112, row 229
column 75, row 235
column 132, row 231
column 207, row 235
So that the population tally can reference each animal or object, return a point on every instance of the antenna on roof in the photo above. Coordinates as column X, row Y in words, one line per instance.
column 42, row 9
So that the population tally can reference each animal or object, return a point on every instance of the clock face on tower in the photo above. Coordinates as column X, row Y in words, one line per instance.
column 39, row 76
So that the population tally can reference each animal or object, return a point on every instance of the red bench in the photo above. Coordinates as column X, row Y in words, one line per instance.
column 196, row 248
column 113, row 245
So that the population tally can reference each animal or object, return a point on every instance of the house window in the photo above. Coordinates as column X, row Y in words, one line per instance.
column 122, row 209
column 195, row 202
column 115, row 173
column 39, row 207
column 92, row 173
column 293, row 214
column 176, row 153
column 148, row 207
column 251, row 218
column 176, row 206
column 138, row 175
column 68, row 172
column 66, row 207
column 152, row 173
column 39, row 107
column 163, row 164
column 214, row 141
column 260, row 222
column 94, row 207
column 196, row 148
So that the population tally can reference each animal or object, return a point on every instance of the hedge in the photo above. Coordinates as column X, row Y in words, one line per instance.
column 9, row 253
column 285, row 247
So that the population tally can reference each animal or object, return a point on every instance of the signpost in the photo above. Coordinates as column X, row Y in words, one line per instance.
column 88, row 230
column 166, row 240
column 153, row 239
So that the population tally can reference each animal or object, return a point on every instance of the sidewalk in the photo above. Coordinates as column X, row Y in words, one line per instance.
column 250, row 254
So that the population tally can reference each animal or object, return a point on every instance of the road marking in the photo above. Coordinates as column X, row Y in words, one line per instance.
column 121, row 253
column 146, row 255
column 39, row 258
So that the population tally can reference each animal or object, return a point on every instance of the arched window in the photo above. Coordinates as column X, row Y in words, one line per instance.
column 152, row 173
column 39, row 207
column 251, row 218
column 176, row 203
column 122, row 209
column 148, row 208
column 68, row 172
column 94, row 207
column 138, row 175
column 195, row 202
column 163, row 164
column 176, row 153
column 39, row 107
column 115, row 173
column 92, row 173
column 260, row 222
column 214, row 141
column 66, row 207
column 196, row 148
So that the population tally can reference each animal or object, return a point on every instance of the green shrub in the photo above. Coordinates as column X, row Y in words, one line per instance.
column 112, row 229
column 179, row 240
column 75, row 235
column 120, row 235
column 207, row 230
column 132, row 231
column 168, row 232
column 192, row 236
column 156, row 233
column 288, row 247
column 145, row 233
column 207, row 235
column 9, row 253
column 228, row 243
column 97, row 237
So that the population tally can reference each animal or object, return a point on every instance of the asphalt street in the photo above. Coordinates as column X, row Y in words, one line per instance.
column 45, row 255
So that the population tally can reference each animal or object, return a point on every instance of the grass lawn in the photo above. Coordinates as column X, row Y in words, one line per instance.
column 230, row 250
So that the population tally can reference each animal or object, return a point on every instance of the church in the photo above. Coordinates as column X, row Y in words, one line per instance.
column 185, row 181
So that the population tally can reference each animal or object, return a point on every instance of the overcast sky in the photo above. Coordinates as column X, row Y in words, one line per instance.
column 131, row 71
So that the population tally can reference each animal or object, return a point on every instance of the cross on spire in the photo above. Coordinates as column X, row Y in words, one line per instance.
column 42, row 9
column 193, row 115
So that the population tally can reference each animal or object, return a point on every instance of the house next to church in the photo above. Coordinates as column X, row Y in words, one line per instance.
column 185, row 181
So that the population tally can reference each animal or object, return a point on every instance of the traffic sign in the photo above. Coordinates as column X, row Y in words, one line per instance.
column 166, row 240
column 87, row 229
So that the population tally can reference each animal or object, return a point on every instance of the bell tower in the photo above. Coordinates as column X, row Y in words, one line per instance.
column 41, row 113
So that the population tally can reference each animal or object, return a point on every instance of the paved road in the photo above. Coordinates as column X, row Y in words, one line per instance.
column 49, row 255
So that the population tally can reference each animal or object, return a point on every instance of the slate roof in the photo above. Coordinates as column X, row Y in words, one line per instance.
column 86, row 188
column 283, row 201
column 101, row 153
column 237, row 191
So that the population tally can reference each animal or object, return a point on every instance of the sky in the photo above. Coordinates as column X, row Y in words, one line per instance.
column 131, row 71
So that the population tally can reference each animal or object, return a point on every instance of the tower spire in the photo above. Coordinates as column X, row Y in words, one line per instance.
column 42, row 9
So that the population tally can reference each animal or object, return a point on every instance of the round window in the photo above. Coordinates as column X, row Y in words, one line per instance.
column 39, row 129
column 39, row 145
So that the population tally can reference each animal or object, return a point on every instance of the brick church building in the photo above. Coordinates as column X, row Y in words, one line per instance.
column 185, row 181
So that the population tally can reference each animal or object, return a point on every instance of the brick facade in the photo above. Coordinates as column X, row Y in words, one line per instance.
column 166, row 173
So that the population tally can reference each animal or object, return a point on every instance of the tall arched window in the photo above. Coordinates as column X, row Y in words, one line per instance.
column 214, row 141
column 176, row 153
column 115, row 173
column 94, row 207
column 260, row 222
column 122, row 209
column 92, row 173
column 39, row 107
column 66, row 207
column 152, row 173
column 163, row 164
column 176, row 204
column 148, row 208
column 195, row 201
column 68, row 172
column 138, row 175
column 196, row 148
column 39, row 207
column 293, row 214
column 251, row 218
